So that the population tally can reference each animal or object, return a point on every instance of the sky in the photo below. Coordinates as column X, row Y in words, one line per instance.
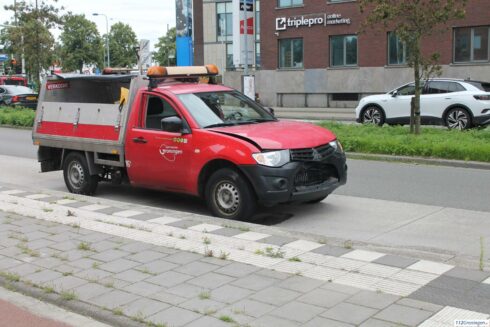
column 148, row 19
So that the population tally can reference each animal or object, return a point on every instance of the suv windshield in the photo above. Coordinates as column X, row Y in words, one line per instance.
column 216, row 109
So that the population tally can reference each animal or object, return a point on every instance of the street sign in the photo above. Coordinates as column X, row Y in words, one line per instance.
column 145, row 54
column 4, row 57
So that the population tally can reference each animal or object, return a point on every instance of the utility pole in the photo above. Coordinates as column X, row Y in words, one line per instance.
column 107, row 37
column 245, row 32
column 23, row 59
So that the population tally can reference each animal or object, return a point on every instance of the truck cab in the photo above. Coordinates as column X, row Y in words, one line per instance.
column 171, row 131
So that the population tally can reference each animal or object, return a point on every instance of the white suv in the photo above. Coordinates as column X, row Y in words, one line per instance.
column 458, row 104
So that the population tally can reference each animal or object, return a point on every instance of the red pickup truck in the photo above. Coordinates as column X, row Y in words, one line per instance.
column 170, row 131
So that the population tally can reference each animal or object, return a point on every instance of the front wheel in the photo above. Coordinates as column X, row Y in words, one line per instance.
column 77, row 176
column 373, row 115
column 458, row 118
column 229, row 195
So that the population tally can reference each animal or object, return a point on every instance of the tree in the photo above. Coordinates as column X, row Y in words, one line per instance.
column 32, row 35
column 413, row 21
column 122, row 43
column 165, row 49
column 81, row 43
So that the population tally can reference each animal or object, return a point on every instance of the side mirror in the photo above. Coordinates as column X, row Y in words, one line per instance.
column 172, row 124
column 395, row 94
column 271, row 111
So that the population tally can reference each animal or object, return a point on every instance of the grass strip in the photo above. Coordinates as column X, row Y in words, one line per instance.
column 470, row 145
column 17, row 116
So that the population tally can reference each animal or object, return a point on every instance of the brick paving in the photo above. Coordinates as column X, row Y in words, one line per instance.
column 293, row 282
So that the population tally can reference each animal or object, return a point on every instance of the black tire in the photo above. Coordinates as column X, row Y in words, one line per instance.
column 458, row 118
column 316, row 200
column 77, row 176
column 373, row 115
column 229, row 195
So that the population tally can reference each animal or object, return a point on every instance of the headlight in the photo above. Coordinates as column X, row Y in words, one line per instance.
column 337, row 146
column 272, row 158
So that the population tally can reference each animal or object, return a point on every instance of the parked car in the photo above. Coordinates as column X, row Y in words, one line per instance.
column 15, row 95
column 457, row 104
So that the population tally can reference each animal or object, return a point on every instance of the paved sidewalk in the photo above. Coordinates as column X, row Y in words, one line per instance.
column 166, row 268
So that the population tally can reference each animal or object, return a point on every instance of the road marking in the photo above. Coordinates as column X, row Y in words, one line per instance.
column 205, row 228
column 164, row 220
column 66, row 201
column 363, row 255
column 251, row 236
column 303, row 245
column 431, row 267
column 13, row 192
column 94, row 207
column 37, row 196
column 127, row 213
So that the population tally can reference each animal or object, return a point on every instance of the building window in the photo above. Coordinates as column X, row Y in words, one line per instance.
column 224, row 21
column 257, row 20
column 289, row 3
column 397, row 50
column 291, row 53
column 257, row 54
column 471, row 44
column 229, row 56
column 343, row 50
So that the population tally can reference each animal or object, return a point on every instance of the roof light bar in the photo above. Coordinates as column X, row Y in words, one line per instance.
column 182, row 71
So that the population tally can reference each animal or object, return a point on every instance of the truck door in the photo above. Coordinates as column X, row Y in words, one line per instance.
column 156, row 158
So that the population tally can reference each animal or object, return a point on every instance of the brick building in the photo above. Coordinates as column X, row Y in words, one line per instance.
column 311, row 53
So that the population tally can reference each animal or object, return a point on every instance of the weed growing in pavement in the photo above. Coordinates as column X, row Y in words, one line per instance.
column 83, row 246
column 182, row 237
column 244, row 229
column 170, row 234
column 294, row 259
column 118, row 312
column 9, row 286
column 147, row 271
column 19, row 237
column 67, row 273
column 47, row 289
column 67, row 197
column 10, row 277
column 109, row 284
column 273, row 253
column 59, row 256
column 209, row 312
column 70, row 213
column 224, row 255
column 204, row 295
column 68, row 295
column 139, row 317
column 47, row 210
column 26, row 250
column 208, row 253
column 482, row 253
column 206, row 240
column 298, row 273
column 75, row 225
column 226, row 319
column 348, row 244
column 38, row 270
column 95, row 265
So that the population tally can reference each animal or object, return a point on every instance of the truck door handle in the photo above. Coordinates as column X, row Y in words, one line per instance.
column 139, row 140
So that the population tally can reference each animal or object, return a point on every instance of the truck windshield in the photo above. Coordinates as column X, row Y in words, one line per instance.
column 217, row 109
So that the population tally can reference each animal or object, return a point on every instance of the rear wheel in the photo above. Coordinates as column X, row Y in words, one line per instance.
column 77, row 176
column 458, row 118
column 229, row 195
column 373, row 115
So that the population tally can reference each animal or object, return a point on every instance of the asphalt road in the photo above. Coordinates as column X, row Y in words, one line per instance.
column 430, row 185
column 409, row 207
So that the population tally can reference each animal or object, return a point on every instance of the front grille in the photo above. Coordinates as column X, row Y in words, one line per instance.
column 319, row 153
column 314, row 175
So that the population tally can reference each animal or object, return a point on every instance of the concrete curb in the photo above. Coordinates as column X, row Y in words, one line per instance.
column 420, row 160
column 76, row 306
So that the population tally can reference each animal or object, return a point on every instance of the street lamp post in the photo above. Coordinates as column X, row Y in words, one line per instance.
column 107, row 37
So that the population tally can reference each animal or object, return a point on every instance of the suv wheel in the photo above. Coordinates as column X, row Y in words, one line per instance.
column 77, row 176
column 373, row 115
column 458, row 118
column 229, row 195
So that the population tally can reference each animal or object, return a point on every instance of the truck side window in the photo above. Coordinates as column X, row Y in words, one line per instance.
column 157, row 109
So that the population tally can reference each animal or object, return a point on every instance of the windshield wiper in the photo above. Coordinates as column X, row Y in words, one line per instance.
column 220, row 125
column 261, row 120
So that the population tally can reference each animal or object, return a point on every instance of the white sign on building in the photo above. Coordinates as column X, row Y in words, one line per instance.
column 243, row 41
column 145, row 54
